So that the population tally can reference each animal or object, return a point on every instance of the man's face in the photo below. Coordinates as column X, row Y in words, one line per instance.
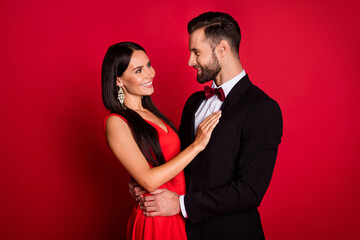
column 202, row 57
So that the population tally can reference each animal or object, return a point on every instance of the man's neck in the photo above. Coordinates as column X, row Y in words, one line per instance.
column 228, row 72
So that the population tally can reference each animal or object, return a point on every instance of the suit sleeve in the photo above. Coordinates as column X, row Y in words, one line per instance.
column 261, row 135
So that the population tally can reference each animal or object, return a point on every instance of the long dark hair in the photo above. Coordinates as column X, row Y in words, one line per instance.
column 115, row 62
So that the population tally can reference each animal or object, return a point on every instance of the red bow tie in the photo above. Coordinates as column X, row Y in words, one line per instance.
column 209, row 92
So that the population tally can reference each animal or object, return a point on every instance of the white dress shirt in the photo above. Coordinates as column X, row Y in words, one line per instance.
column 207, row 107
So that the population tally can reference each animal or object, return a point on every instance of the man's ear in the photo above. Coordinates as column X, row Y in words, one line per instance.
column 223, row 48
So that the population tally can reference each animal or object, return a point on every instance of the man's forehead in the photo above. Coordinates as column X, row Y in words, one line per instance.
column 198, row 34
column 197, row 39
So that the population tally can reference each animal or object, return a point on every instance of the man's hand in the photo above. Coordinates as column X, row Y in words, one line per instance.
column 162, row 202
column 136, row 191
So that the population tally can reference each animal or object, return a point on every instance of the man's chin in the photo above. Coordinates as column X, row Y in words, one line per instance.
column 201, row 80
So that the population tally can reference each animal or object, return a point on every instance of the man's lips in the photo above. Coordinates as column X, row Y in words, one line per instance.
column 198, row 69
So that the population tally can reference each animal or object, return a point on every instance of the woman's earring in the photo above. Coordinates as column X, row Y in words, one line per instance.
column 121, row 97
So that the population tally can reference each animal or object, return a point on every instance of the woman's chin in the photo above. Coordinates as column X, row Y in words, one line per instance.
column 149, row 92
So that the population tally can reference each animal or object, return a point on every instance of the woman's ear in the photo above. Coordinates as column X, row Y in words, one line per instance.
column 119, row 82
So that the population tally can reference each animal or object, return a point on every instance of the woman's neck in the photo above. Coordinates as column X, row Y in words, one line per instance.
column 134, row 103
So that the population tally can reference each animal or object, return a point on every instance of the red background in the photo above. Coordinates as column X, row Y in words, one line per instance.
column 59, row 180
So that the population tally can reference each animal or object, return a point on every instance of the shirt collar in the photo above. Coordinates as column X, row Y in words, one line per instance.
column 231, row 83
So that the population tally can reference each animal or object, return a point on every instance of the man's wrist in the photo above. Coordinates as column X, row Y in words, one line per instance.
column 182, row 206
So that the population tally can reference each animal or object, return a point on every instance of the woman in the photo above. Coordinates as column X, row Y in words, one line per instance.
column 144, row 140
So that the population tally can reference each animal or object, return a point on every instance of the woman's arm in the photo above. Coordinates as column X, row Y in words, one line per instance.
column 123, row 145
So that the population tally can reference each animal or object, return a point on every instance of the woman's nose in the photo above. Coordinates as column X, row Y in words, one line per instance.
column 151, row 73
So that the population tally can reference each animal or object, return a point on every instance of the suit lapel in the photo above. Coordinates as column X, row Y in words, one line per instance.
column 235, row 93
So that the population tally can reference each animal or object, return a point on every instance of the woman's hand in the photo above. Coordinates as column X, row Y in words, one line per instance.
column 205, row 129
column 136, row 191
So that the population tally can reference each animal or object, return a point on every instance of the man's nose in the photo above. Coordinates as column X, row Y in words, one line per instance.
column 192, row 61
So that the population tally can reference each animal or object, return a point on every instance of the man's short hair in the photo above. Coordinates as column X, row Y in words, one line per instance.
column 217, row 27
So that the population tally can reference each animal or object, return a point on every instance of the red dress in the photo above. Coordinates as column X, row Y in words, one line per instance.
column 141, row 227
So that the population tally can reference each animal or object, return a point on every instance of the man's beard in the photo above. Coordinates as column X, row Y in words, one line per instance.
column 210, row 71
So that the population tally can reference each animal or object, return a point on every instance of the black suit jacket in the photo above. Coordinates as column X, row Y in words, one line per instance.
column 227, row 181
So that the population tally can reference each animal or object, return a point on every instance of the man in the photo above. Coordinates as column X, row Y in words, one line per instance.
column 227, row 181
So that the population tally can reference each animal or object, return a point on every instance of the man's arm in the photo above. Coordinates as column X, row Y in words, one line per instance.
column 162, row 202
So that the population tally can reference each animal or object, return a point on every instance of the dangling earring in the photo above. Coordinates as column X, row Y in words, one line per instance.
column 121, row 97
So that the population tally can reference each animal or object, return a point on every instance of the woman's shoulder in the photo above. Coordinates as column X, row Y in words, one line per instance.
column 114, row 118
column 114, row 115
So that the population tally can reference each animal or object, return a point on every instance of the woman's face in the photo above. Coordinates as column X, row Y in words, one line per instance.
column 138, row 77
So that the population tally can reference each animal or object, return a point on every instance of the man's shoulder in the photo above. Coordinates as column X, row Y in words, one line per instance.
column 195, row 97
column 260, row 100
column 250, row 96
column 257, row 94
column 193, row 101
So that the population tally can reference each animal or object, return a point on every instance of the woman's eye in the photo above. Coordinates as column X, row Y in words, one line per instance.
column 149, row 64
column 138, row 71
